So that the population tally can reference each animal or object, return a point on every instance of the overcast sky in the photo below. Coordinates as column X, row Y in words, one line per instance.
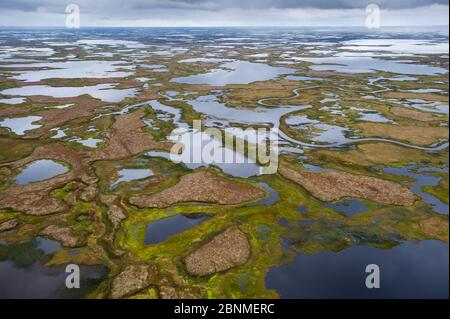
column 223, row 12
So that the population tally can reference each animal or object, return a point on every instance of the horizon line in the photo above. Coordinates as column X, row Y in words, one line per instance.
column 229, row 26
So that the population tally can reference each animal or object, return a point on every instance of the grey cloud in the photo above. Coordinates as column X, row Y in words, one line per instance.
column 212, row 5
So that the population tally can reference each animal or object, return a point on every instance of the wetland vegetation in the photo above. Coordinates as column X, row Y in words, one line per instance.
column 86, row 122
